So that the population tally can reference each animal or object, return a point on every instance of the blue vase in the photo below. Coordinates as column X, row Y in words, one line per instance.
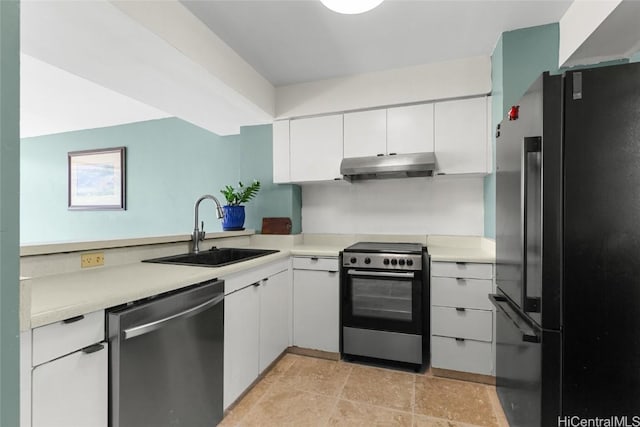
column 233, row 218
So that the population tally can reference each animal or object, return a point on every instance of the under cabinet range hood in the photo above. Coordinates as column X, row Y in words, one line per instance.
column 389, row 166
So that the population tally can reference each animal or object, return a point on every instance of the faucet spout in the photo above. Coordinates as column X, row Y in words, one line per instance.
column 198, row 235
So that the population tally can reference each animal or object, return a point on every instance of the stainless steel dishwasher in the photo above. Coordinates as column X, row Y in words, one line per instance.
column 165, row 359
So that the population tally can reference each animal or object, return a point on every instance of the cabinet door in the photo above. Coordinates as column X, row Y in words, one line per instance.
column 316, row 148
column 365, row 133
column 316, row 302
column 71, row 391
column 281, row 172
column 241, row 341
column 274, row 317
column 461, row 141
column 410, row 129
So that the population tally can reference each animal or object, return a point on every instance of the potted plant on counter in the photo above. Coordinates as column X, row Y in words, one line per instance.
column 234, row 209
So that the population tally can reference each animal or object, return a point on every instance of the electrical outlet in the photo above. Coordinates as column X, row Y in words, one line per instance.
column 94, row 259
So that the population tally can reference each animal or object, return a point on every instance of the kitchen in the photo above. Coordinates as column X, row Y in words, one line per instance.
column 447, row 205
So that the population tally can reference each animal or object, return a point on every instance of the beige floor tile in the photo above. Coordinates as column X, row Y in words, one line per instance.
column 242, row 408
column 424, row 421
column 316, row 375
column 455, row 400
column 380, row 387
column 282, row 406
column 497, row 408
column 281, row 367
column 356, row 414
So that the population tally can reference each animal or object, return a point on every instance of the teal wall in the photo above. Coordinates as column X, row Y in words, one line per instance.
column 635, row 58
column 170, row 163
column 519, row 58
column 9, row 210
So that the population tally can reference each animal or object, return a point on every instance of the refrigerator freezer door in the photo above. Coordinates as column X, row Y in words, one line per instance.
column 527, row 368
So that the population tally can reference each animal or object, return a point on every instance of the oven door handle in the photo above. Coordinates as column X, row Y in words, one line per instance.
column 403, row 275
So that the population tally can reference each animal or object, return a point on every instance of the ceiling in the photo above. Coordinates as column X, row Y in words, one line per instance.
column 214, row 63
column 300, row 41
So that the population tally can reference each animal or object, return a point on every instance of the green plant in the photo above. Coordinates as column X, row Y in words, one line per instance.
column 242, row 194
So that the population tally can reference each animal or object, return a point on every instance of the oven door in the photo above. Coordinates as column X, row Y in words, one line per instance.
column 382, row 300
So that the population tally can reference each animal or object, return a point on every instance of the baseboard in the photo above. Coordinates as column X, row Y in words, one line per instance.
column 314, row 353
column 464, row 376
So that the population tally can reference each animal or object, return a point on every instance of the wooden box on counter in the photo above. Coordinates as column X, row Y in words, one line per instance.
column 276, row 225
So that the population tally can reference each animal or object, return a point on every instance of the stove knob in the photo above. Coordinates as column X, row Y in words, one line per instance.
column 409, row 262
column 394, row 261
column 353, row 260
column 401, row 262
column 367, row 260
column 386, row 261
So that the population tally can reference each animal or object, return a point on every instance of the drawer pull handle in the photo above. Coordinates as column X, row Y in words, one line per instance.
column 266, row 279
column 460, row 263
column 73, row 319
column 256, row 284
column 461, row 279
column 314, row 258
column 92, row 348
column 460, row 339
column 461, row 309
column 332, row 271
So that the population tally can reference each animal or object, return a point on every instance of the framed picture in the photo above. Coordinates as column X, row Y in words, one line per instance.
column 97, row 179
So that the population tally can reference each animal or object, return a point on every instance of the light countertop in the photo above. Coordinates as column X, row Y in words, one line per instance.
column 52, row 298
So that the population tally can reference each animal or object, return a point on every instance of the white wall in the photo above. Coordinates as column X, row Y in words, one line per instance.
column 442, row 80
column 440, row 205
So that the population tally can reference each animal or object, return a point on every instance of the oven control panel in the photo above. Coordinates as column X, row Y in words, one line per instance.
column 382, row 261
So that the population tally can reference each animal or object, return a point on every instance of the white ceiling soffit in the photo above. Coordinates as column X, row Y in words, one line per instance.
column 54, row 101
column 97, row 41
column 301, row 41
column 615, row 32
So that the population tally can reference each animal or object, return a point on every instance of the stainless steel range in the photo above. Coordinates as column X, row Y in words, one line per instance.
column 384, row 292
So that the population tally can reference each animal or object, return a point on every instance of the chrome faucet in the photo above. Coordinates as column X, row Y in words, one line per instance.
column 198, row 235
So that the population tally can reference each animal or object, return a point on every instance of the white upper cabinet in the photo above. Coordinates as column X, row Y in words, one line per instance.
column 281, row 171
column 398, row 130
column 410, row 129
column 462, row 143
column 365, row 133
column 316, row 148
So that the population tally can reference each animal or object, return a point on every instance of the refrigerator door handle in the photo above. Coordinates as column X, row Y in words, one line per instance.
column 531, row 145
column 503, row 306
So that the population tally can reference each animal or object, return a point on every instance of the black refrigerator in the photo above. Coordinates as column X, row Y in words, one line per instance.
column 568, row 250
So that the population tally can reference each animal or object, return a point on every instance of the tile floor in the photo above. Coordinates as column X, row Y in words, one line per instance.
column 306, row 391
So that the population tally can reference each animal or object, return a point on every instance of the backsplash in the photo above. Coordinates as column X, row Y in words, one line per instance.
column 439, row 205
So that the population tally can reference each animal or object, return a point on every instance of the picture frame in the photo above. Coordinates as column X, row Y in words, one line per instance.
column 96, row 179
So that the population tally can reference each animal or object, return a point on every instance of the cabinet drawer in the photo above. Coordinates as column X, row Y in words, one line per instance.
column 461, row 355
column 72, row 391
column 468, row 270
column 316, row 263
column 460, row 292
column 60, row 338
column 471, row 324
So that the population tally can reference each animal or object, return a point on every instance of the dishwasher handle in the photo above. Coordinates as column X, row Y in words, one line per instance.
column 157, row 324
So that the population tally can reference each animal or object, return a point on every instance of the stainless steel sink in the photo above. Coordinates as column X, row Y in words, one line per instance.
column 215, row 257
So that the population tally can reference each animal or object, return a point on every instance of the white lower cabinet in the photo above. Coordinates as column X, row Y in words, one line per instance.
column 316, row 304
column 462, row 317
column 69, row 379
column 241, row 341
column 71, row 390
column 274, row 318
column 256, row 325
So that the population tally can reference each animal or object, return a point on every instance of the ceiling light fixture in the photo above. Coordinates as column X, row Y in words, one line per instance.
column 351, row 7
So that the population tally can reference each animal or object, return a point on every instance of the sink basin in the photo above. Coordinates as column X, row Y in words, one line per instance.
column 215, row 257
